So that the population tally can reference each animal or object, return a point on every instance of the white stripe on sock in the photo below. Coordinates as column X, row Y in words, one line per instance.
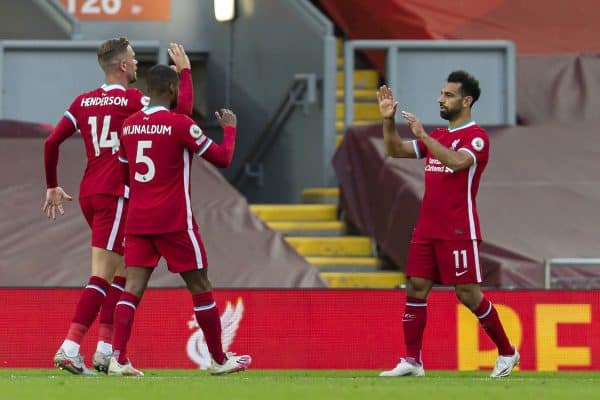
column 204, row 308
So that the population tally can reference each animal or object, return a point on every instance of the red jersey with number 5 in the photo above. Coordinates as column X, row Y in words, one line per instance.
column 449, row 208
column 99, row 115
column 158, row 146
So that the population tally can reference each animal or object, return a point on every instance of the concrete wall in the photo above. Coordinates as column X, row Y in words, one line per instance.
column 23, row 19
column 263, row 48
column 40, row 79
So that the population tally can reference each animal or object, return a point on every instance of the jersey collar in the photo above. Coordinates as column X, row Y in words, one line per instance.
column 457, row 128
column 153, row 109
column 106, row 87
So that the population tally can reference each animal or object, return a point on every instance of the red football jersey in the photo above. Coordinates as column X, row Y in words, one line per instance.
column 99, row 115
column 448, row 209
column 158, row 146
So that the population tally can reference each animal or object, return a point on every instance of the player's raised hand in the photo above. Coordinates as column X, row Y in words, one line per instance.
column 54, row 199
column 179, row 57
column 414, row 124
column 226, row 117
column 387, row 105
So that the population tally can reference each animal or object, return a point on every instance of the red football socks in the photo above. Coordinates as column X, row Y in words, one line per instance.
column 123, row 322
column 209, row 321
column 107, row 311
column 490, row 322
column 87, row 309
column 413, row 324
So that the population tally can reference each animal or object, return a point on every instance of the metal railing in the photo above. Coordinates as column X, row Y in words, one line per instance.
column 394, row 48
column 558, row 262
column 65, row 21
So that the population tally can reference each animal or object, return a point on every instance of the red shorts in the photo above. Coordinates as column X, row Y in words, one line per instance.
column 105, row 214
column 448, row 262
column 183, row 251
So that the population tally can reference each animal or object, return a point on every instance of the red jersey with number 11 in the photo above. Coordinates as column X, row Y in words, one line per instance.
column 448, row 209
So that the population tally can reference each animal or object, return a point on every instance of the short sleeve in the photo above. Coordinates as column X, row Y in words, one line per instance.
column 477, row 144
column 192, row 136
column 420, row 148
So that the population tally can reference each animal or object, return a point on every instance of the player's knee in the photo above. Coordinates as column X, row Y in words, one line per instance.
column 135, row 286
column 467, row 295
column 197, row 281
column 416, row 287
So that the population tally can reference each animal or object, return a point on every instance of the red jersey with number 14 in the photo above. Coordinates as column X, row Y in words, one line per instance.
column 448, row 209
column 99, row 114
column 159, row 146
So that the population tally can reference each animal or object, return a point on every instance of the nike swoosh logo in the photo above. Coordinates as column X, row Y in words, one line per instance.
column 461, row 273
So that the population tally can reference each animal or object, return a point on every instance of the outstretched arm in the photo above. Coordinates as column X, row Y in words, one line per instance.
column 185, row 100
column 221, row 155
column 455, row 160
column 394, row 145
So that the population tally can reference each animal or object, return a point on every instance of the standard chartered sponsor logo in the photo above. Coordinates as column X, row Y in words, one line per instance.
column 435, row 165
column 196, row 347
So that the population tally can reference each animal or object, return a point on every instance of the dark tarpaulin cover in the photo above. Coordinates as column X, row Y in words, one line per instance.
column 34, row 251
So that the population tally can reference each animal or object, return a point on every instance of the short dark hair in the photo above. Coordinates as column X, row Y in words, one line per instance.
column 469, row 85
column 110, row 49
column 158, row 79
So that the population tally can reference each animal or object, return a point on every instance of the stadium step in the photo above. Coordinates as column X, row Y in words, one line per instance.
column 332, row 246
column 360, row 95
column 308, row 228
column 376, row 280
column 322, row 195
column 363, row 79
column 313, row 229
column 295, row 212
column 345, row 264
column 362, row 111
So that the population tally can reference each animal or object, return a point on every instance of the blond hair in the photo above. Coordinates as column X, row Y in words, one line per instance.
column 110, row 50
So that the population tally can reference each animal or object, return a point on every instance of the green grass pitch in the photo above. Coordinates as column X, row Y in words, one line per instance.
column 37, row 384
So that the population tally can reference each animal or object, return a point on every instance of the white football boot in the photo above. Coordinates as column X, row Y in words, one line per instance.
column 114, row 368
column 233, row 363
column 505, row 364
column 406, row 367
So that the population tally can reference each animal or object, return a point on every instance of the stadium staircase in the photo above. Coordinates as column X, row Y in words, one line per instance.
column 314, row 229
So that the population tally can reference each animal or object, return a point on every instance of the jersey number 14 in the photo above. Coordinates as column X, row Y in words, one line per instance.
column 105, row 142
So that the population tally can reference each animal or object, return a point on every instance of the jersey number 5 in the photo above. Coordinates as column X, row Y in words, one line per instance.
column 105, row 142
column 141, row 158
